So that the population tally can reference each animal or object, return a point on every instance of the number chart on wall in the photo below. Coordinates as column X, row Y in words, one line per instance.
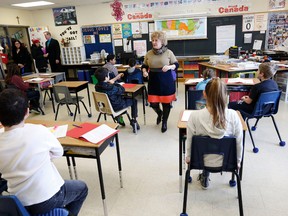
column 96, row 38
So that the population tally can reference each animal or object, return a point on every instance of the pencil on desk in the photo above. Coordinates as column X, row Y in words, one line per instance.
column 77, row 126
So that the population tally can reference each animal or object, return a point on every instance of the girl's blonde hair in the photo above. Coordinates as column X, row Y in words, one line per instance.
column 216, row 93
column 161, row 36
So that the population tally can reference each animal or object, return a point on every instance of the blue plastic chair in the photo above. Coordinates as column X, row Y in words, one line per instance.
column 266, row 106
column 10, row 205
column 225, row 147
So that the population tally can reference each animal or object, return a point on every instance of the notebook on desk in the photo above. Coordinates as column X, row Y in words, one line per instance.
column 91, row 132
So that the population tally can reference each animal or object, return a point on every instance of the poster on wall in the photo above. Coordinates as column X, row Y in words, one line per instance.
column 65, row 16
column 276, row 4
column 141, row 47
column 183, row 29
column 248, row 23
column 117, row 31
column 89, row 39
column 260, row 22
column 277, row 31
column 126, row 30
column 105, row 38
column 225, row 37
column 38, row 33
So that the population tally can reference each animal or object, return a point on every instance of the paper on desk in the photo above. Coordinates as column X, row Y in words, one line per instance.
column 117, row 65
column 59, row 131
column 196, row 80
column 45, row 74
column 240, row 80
column 35, row 79
column 99, row 133
column 186, row 115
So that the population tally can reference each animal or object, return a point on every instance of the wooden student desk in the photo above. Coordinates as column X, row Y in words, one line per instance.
column 57, row 76
column 74, row 87
column 79, row 148
column 182, row 126
column 192, row 82
column 133, row 92
column 223, row 70
column 38, row 84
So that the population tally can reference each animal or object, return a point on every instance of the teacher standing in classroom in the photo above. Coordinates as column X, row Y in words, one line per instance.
column 158, row 65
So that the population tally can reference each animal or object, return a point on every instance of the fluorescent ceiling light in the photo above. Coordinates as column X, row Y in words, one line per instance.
column 33, row 4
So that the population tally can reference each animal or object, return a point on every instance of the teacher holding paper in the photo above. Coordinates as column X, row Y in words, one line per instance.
column 158, row 65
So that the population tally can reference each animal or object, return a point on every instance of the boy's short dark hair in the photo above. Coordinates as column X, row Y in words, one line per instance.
column 132, row 62
column 110, row 57
column 101, row 73
column 13, row 107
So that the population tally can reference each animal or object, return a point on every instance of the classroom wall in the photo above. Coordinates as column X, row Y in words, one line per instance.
column 8, row 17
column 101, row 14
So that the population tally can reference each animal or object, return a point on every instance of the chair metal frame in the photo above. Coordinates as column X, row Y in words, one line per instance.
column 11, row 205
column 203, row 145
column 63, row 97
column 104, row 107
column 266, row 106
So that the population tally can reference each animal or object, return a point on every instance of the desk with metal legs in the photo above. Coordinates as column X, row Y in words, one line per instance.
column 74, row 87
column 133, row 92
column 80, row 148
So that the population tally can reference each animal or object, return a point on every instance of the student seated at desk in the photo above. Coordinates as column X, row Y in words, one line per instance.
column 265, row 72
column 207, row 75
column 14, row 80
column 133, row 74
column 115, row 94
column 110, row 65
column 26, row 154
column 216, row 121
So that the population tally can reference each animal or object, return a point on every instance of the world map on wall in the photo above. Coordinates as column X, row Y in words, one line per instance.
column 177, row 29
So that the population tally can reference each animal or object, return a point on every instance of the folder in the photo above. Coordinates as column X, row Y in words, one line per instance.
column 129, row 85
column 92, row 133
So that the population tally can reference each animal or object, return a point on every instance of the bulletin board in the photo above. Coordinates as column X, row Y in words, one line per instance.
column 96, row 38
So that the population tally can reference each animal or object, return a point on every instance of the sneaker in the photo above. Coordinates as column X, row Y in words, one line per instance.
column 132, row 124
column 35, row 110
column 120, row 121
column 204, row 181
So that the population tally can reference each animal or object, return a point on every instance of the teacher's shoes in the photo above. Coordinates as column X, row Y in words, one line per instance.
column 164, row 127
column 159, row 117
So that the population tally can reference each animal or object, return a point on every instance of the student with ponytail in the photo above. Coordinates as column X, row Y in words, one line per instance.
column 216, row 121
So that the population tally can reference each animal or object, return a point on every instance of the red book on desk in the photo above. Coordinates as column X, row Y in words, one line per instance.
column 129, row 85
column 88, row 132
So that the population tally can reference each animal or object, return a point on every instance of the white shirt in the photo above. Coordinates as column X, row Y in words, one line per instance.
column 201, row 123
column 25, row 162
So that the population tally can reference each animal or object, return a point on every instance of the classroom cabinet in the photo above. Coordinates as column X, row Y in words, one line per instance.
column 188, row 66
column 73, row 55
